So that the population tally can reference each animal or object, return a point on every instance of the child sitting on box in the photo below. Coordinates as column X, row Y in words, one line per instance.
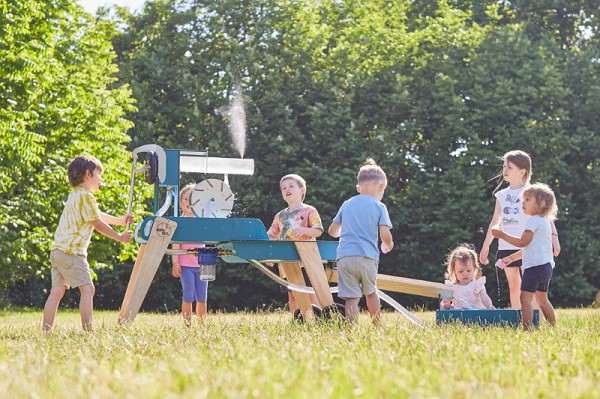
column 466, row 277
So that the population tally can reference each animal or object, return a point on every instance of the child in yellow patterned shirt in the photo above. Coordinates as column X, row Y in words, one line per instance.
column 79, row 219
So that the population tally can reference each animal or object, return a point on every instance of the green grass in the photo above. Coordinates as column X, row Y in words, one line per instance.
column 266, row 355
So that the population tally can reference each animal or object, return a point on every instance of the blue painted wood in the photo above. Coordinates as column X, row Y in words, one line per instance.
column 510, row 317
column 244, row 238
column 279, row 251
column 211, row 230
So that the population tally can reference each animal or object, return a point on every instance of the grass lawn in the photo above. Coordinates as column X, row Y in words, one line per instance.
column 267, row 355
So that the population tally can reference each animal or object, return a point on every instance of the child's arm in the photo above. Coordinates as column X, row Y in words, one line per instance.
column 105, row 229
column 555, row 242
column 386, row 237
column 486, row 300
column 514, row 257
column 516, row 241
column 274, row 230
column 335, row 229
column 116, row 221
column 175, row 268
column 312, row 232
column 485, row 248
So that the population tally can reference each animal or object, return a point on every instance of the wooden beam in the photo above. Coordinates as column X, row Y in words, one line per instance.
column 146, row 265
column 313, row 264
column 293, row 273
column 404, row 285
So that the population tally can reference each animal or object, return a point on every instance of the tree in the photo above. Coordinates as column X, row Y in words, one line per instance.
column 434, row 91
column 60, row 98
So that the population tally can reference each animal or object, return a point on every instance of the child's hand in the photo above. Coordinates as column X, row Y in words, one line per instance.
column 500, row 264
column 483, row 256
column 496, row 231
column 446, row 304
column 127, row 219
column 384, row 249
column 299, row 233
column 125, row 237
column 176, row 270
column 555, row 245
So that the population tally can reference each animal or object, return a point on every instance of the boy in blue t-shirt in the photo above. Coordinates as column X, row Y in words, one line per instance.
column 358, row 223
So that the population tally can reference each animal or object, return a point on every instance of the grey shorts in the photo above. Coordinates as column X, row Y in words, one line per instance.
column 357, row 276
column 69, row 270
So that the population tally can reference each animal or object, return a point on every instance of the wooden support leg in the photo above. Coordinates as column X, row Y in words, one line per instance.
column 146, row 265
column 294, row 275
column 311, row 259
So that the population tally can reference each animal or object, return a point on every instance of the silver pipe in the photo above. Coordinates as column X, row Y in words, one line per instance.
column 309, row 290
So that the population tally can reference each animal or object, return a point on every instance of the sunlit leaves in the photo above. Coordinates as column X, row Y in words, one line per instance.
column 59, row 98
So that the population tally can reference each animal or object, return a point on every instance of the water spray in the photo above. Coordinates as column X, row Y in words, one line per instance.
column 236, row 114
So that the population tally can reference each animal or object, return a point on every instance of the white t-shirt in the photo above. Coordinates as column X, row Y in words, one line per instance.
column 539, row 250
column 512, row 217
column 468, row 297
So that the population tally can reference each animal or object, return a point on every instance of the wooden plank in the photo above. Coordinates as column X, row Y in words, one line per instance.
column 405, row 285
column 313, row 264
column 294, row 275
column 146, row 265
column 132, row 281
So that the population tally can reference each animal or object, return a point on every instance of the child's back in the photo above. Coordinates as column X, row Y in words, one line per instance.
column 360, row 217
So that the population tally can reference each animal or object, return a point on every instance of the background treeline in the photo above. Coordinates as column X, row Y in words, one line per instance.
column 434, row 91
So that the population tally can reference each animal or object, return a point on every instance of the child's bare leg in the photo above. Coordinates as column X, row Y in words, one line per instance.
column 186, row 311
column 51, row 306
column 536, row 305
column 86, row 305
column 527, row 309
column 201, row 310
column 373, row 305
column 513, row 276
column 546, row 307
column 352, row 309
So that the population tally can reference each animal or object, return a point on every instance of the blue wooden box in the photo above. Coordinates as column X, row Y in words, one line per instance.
column 508, row 317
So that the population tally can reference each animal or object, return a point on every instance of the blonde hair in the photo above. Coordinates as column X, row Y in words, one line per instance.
column 544, row 198
column 185, row 191
column 521, row 160
column 462, row 254
column 370, row 171
column 298, row 179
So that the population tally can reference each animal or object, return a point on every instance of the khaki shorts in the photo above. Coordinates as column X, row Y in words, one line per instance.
column 357, row 276
column 69, row 270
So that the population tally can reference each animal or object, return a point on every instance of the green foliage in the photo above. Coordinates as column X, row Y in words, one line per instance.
column 435, row 92
column 60, row 98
